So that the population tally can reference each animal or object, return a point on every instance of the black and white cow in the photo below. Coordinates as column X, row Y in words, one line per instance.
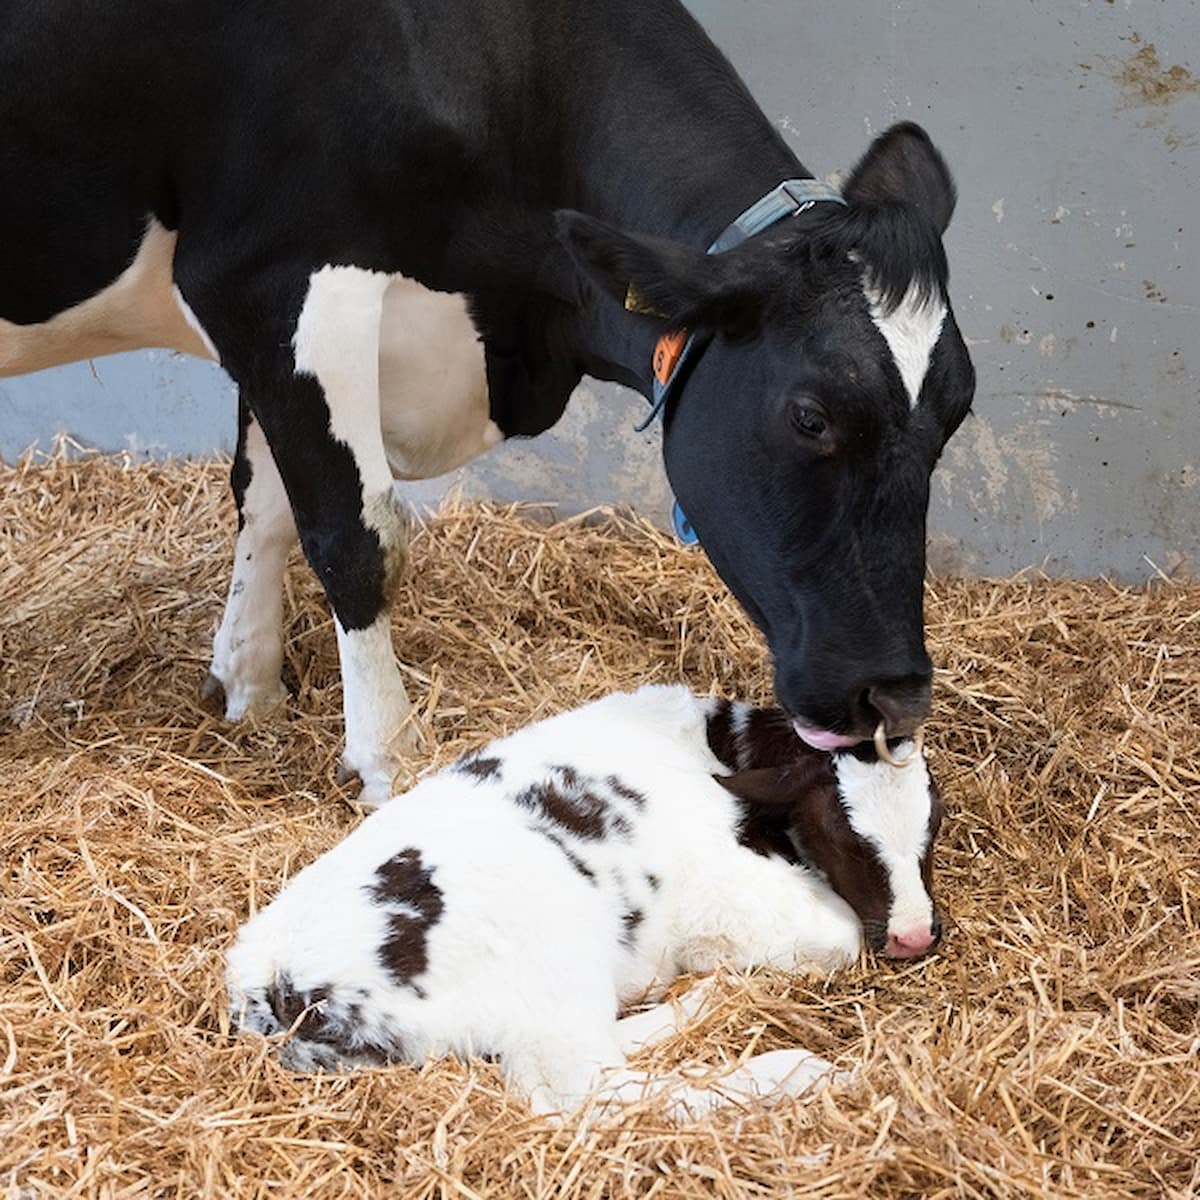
column 511, row 903
column 371, row 214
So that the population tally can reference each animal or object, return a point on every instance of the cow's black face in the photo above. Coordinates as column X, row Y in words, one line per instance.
column 804, row 468
column 800, row 442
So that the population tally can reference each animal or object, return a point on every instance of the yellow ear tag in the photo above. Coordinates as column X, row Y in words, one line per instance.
column 635, row 302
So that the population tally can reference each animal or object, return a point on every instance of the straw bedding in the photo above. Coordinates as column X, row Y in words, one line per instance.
column 1051, row 1047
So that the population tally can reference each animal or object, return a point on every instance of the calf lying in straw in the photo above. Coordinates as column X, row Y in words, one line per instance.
column 511, row 903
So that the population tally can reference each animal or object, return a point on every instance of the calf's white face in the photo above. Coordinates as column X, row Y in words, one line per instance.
column 896, row 813
column 868, row 827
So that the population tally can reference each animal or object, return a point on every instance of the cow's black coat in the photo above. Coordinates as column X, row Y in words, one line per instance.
column 457, row 143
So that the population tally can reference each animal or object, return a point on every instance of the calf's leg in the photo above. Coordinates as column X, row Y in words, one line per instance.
column 578, row 1072
column 761, row 1079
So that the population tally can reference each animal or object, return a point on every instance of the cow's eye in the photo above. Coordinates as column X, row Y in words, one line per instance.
column 809, row 420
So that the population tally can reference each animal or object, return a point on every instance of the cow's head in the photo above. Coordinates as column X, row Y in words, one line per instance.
column 800, row 442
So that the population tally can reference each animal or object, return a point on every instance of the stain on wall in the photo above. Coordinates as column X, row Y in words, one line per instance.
column 1145, row 80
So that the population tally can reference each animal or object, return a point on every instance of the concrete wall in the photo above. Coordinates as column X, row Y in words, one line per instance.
column 1074, row 131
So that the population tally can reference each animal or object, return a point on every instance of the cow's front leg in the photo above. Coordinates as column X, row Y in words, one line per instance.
column 327, row 441
column 248, row 646
column 303, row 347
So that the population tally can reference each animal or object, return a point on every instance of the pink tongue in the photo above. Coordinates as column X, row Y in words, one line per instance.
column 822, row 739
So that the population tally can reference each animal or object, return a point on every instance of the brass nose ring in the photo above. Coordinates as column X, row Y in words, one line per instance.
column 885, row 753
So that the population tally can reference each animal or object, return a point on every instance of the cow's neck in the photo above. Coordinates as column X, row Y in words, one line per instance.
column 680, row 148
column 674, row 146
column 655, row 134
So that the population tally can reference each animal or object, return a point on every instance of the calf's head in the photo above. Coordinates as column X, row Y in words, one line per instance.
column 868, row 827
column 801, row 440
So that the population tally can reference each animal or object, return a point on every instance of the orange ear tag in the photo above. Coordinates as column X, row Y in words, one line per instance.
column 667, row 350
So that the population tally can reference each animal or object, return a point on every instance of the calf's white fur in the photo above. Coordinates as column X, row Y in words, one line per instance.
column 509, row 905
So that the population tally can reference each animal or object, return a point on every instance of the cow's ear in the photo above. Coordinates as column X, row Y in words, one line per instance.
column 902, row 166
column 678, row 285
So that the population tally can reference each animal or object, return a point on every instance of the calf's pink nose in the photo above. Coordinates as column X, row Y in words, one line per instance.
column 909, row 944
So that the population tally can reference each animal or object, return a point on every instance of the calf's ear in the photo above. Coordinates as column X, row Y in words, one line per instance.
column 759, row 787
column 902, row 166
column 678, row 285
column 779, row 788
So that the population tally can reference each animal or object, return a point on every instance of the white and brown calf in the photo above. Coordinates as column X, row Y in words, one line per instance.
column 509, row 905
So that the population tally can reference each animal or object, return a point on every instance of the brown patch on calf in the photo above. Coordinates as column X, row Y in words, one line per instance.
column 620, row 788
column 576, row 804
column 769, row 740
column 722, row 740
column 768, row 797
column 291, row 1005
column 745, row 738
column 631, row 921
column 406, row 887
column 476, row 765
column 576, row 862
column 332, row 1030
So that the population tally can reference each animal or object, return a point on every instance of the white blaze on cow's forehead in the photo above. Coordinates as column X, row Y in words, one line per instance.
column 911, row 331
column 889, row 807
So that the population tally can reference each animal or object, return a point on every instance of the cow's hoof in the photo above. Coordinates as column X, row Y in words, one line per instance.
column 375, row 795
column 372, row 793
column 374, row 773
column 235, row 701
column 212, row 695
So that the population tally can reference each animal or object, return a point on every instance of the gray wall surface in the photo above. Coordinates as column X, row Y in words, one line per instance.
column 1073, row 129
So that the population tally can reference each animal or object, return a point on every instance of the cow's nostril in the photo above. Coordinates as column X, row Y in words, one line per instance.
column 901, row 704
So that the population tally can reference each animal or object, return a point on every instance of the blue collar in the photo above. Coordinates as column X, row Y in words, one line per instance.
column 792, row 196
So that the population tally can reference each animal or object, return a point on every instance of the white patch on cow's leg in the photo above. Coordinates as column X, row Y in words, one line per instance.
column 911, row 331
column 337, row 342
column 248, row 646
column 376, row 707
